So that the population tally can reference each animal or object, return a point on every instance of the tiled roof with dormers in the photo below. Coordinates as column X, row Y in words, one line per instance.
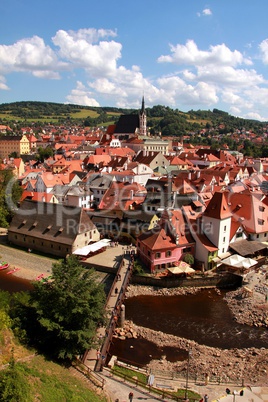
column 49, row 221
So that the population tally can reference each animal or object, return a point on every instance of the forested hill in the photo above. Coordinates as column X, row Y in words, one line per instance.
column 159, row 118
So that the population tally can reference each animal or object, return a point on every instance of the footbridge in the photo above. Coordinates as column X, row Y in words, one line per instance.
column 96, row 359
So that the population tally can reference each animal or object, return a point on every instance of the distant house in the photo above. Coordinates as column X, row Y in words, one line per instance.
column 51, row 228
column 152, row 159
column 79, row 196
column 14, row 143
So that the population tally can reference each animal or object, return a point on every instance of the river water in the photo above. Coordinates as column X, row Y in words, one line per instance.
column 203, row 317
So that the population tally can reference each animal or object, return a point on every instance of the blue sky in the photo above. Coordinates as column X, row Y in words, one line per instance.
column 182, row 54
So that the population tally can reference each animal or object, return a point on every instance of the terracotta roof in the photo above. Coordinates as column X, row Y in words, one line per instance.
column 218, row 207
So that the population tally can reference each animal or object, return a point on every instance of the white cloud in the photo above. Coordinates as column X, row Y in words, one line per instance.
column 212, row 77
column 79, row 49
column 235, row 111
column 216, row 55
column 81, row 96
column 264, row 51
column 30, row 55
column 3, row 85
column 227, row 75
column 207, row 11
column 188, row 94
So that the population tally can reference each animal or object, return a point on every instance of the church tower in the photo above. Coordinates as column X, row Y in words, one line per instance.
column 143, row 128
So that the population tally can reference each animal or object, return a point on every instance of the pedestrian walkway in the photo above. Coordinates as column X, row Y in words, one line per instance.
column 95, row 359
column 119, row 389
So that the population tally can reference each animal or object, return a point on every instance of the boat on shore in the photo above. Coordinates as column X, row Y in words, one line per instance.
column 3, row 265
column 13, row 271
column 39, row 277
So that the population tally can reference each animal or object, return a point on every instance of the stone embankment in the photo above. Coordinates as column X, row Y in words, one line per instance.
column 238, row 365
column 249, row 365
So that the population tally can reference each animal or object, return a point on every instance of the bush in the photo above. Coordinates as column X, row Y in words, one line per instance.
column 189, row 259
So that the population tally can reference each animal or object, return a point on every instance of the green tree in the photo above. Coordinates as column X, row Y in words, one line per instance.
column 44, row 153
column 63, row 313
column 189, row 259
column 10, row 193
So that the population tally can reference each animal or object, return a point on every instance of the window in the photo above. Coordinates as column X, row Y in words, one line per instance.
column 224, row 229
column 168, row 253
column 157, row 255
column 222, row 250
column 223, row 240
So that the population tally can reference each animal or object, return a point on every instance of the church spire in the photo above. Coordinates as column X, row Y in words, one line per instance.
column 143, row 128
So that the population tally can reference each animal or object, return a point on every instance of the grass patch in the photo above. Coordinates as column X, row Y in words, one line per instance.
column 126, row 372
column 129, row 374
column 50, row 382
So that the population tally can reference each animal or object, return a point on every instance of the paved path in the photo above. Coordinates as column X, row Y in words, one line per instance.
column 119, row 389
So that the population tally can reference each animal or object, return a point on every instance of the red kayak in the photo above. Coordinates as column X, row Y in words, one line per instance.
column 12, row 271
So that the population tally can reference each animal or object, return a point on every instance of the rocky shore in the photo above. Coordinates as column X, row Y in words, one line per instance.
column 248, row 366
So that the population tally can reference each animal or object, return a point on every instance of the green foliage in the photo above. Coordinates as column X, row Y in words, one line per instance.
column 44, row 381
column 44, row 153
column 189, row 259
column 137, row 268
column 13, row 386
column 10, row 193
column 63, row 314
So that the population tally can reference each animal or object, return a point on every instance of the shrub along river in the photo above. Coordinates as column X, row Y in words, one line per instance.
column 203, row 317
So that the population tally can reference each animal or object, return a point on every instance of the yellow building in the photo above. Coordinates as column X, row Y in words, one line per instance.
column 14, row 143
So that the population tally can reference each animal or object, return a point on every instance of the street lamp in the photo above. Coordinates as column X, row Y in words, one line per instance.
column 187, row 374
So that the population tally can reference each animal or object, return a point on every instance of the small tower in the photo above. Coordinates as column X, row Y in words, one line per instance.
column 143, row 128
column 216, row 223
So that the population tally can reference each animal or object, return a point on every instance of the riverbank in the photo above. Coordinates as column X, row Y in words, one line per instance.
column 230, row 365
column 249, row 365
column 29, row 265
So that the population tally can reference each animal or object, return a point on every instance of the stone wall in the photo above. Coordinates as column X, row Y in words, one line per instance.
column 223, row 280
